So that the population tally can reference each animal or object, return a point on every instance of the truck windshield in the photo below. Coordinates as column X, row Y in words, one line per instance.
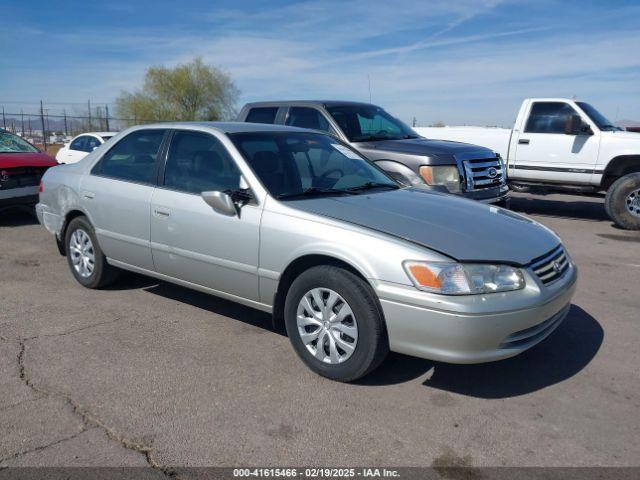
column 600, row 120
column 362, row 123
column 291, row 164
column 10, row 143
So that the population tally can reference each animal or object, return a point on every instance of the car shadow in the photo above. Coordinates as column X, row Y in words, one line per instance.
column 588, row 208
column 563, row 354
column 216, row 305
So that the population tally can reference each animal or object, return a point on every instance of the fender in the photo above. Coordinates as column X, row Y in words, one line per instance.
column 618, row 167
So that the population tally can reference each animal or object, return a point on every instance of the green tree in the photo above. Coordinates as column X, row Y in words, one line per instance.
column 190, row 91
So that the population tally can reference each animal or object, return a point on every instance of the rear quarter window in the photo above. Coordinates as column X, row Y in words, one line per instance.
column 262, row 115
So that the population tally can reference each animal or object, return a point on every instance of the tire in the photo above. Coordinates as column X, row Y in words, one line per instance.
column 101, row 274
column 369, row 343
column 622, row 202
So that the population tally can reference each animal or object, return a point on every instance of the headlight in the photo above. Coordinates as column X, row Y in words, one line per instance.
column 447, row 175
column 450, row 278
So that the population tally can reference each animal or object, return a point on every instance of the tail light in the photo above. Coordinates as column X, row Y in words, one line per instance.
column 40, row 187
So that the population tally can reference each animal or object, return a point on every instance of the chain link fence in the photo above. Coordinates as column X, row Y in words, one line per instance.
column 48, row 124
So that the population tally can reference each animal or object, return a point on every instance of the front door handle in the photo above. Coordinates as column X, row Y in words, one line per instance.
column 88, row 195
column 162, row 212
column 524, row 141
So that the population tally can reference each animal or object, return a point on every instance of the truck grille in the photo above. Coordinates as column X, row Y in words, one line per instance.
column 552, row 266
column 483, row 173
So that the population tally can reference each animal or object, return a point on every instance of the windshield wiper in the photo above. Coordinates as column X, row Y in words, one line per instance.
column 314, row 191
column 372, row 185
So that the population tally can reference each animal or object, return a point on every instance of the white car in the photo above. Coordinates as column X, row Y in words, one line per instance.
column 80, row 146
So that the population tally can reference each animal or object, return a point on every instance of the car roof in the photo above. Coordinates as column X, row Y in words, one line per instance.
column 99, row 134
column 316, row 103
column 229, row 127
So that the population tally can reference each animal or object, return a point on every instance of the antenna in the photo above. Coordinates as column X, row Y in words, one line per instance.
column 369, row 82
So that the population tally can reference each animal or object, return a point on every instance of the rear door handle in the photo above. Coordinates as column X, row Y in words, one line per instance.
column 88, row 195
column 162, row 212
column 524, row 141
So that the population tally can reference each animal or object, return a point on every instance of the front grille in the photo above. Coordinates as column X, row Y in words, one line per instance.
column 552, row 266
column 484, row 173
column 532, row 335
column 20, row 177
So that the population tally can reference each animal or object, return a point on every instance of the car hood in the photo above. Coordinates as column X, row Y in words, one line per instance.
column 459, row 228
column 13, row 160
column 425, row 146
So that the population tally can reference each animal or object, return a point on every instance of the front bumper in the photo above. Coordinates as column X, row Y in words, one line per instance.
column 474, row 328
column 488, row 195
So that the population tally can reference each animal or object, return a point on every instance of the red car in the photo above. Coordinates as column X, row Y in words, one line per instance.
column 21, row 167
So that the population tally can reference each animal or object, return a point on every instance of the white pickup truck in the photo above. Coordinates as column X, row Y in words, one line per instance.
column 558, row 143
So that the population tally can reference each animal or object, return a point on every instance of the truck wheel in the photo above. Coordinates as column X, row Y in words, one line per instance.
column 622, row 202
column 87, row 262
column 335, row 324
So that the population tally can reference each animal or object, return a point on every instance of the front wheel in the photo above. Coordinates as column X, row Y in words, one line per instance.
column 334, row 323
column 622, row 202
column 87, row 262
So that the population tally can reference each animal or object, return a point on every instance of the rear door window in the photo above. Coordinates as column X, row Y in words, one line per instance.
column 134, row 158
column 305, row 117
column 262, row 115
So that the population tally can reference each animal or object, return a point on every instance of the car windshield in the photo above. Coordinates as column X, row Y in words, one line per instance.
column 10, row 143
column 600, row 120
column 295, row 164
column 361, row 123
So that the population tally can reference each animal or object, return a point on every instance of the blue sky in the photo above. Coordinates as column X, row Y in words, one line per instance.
column 453, row 61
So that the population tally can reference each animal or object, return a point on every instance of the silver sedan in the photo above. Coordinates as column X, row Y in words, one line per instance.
column 298, row 224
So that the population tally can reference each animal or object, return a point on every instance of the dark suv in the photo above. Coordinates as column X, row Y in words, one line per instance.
column 468, row 170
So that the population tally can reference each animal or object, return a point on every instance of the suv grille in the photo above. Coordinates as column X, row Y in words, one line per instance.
column 551, row 266
column 484, row 173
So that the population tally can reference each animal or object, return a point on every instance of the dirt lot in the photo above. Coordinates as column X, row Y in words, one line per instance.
column 150, row 372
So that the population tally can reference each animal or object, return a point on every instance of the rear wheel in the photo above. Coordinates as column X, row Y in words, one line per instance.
column 87, row 262
column 622, row 202
column 334, row 323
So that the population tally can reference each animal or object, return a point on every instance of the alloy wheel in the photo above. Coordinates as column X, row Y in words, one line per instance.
column 82, row 253
column 327, row 326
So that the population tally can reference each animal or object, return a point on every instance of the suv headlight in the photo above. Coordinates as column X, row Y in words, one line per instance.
column 446, row 175
column 451, row 278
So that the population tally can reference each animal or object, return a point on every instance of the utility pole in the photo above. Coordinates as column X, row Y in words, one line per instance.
column 22, row 121
column 66, row 131
column 89, row 108
column 4, row 120
column 106, row 116
column 414, row 122
column 44, row 134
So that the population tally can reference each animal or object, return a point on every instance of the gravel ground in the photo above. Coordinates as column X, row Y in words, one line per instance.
column 147, row 372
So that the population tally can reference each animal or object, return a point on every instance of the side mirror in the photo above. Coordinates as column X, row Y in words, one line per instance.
column 220, row 202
